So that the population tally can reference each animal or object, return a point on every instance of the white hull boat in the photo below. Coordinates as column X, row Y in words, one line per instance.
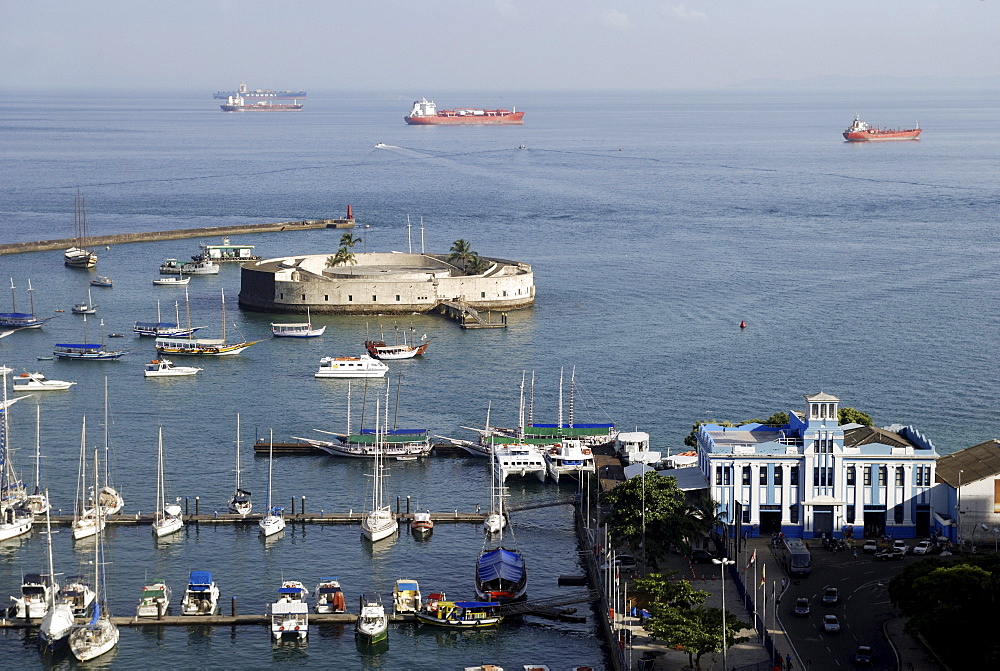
column 154, row 600
column 172, row 281
column 406, row 596
column 569, row 458
column 240, row 502
column 329, row 596
column 297, row 329
column 290, row 613
column 379, row 524
column 520, row 459
column 351, row 366
column 37, row 592
column 77, row 594
column 372, row 625
column 633, row 446
column 38, row 382
column 166, row 368
column 201, row 596
column 202, row 267
column 272, row 522
column 58, row 621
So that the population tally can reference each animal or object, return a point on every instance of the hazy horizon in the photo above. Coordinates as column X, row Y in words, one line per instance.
column 501, row 45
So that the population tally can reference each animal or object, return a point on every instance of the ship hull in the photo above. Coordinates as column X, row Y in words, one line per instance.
column 512, row 119
column 260, row 108
column 882, row 136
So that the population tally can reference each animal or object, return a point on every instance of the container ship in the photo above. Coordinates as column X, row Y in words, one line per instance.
column 862, row 132
column 244, row 92
column 238, row 104
column 425, row 113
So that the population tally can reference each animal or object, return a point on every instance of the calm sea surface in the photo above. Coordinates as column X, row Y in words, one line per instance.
column 655, row 223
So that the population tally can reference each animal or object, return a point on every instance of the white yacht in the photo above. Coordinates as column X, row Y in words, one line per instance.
column 520, row 459
column 168, row 517
column 379, row 521
column 329, row 596
column 38, row 382
column 290, row 613
column 77, row 594
column 372, row 625
column 201, row 596
column 351, row 366
column 569, row 457
column 37, row 591
column 272, row 522
column 166, row 368
column 58, row 621
column 633, row 446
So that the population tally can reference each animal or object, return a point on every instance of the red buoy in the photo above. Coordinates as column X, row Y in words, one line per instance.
column 743, row 324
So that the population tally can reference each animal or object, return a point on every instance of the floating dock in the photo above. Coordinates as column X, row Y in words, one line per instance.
column 470, row 318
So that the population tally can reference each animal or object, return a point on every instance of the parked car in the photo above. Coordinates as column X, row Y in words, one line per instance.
column 622, row 561
column 863, row 657
column 922, row 548
column 702, row 557
column 831, row 624
column 889, row 553
column 831, row 596
column 802, row 607
column 901, row 545
column 870, row 546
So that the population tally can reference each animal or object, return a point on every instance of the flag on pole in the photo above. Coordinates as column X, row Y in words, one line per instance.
column 763, row 574
column 753, row 558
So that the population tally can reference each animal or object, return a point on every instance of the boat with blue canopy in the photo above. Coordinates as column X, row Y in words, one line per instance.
column 460, row 614
column 201, row 596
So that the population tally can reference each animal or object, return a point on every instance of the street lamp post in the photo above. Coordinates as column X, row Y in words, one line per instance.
column 723, row 563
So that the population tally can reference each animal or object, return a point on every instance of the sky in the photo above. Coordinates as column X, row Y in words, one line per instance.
column 506, row 45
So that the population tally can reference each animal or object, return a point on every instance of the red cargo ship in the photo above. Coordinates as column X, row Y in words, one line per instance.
column 862, row 132
column 425, row 112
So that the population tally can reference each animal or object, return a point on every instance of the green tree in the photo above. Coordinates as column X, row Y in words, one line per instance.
column 697, row 629
column 852, row 416
column 663, row 588
column 342, row 257
column 348, row 240
column 461, row 250
column 476, row 265
column 777, row 419
column 660, row 503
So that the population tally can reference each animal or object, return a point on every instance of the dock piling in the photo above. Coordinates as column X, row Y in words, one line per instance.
column 397, row 506
column 293, row 505
column 197, row 504
column 303, row 506
column 233, row 607
column 187, row 509
column 407, row 504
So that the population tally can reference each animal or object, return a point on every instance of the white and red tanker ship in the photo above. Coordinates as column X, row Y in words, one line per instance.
column 425, row 113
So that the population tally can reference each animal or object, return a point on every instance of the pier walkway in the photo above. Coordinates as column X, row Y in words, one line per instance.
column 177, row 234
column 322, row 517
column 468, row 317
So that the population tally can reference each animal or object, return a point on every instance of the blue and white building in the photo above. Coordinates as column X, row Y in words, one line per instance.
column 814, row 476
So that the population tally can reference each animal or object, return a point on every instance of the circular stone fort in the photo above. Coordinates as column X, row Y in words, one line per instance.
column 383, row 283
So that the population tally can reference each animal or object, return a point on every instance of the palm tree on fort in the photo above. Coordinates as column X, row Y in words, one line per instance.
column 342, row 257
column 348, row 240
column 461, row 250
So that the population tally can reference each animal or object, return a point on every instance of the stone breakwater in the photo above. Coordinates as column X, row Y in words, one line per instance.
column 178, row 234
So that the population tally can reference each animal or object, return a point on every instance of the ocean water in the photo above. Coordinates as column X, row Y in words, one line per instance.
column 655, row 223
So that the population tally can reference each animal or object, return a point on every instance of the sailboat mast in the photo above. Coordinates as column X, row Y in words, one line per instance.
column 107, row 442
column 238, row 445
column 38, row 449
column 531, row 401
column 160, row 494
column 560, row 397
column 375, row 495
column 31, row 299
column 187, row 309
column 13, row 298
column 223, row 316
column 52, row 568
column 572, row 395
column 270, row 469
column 81, row 472
column 348, row 410
column 520, row 411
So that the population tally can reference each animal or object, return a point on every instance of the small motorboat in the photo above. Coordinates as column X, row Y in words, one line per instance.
column 37, row 590
column 166, row 368
column 406, row 596
column 290, row 613
column 154, row 600
column 422, row 524
column 38, row 382
column 101, row 281
column 77, row 594
column 86, row 307
column 329, row 596
column 201, row 596
column 116, row 335
column 372, row 625
column 459, row 614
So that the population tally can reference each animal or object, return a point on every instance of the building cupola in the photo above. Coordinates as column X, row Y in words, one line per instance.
column 822, row 408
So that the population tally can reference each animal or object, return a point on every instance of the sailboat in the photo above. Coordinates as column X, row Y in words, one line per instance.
column 501, row 574
column 240, row 503
column 203, row 346
column 272, row 522
column 38, row 503
column 87, row 308
column 100, row 634
column 86, row 521
column 168, row 517
column 86, row 351
column 111, row 500
column 21, row 320
column 379, row 522
column 15, row 517
column 297, row 329
column 162, row 329
column 58, row 621
column 495, row 520
column 79, row 256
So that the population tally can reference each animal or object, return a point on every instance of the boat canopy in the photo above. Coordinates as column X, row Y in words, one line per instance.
column 36, row 579
column 290, row 590
column 79, row 346
column 325, row 579
column 329, row 590
column 477, row 604
column 407, row 585
column 200, row 581
column 500, row 563
column 395, row 432
column 151, row 593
